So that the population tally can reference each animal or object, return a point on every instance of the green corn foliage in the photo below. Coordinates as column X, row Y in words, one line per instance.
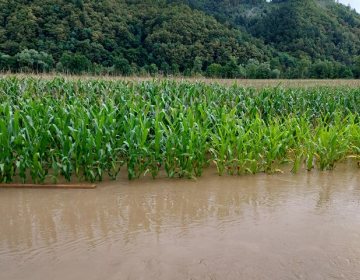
column 91, row 129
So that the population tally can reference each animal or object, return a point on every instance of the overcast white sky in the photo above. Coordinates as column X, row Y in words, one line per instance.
column 353, row 3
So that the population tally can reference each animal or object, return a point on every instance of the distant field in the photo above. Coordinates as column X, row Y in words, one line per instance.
column 241, row 82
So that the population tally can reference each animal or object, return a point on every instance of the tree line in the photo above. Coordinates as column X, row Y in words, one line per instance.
column 32, row 61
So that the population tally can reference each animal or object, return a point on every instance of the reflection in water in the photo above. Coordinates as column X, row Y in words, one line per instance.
column 291, row 226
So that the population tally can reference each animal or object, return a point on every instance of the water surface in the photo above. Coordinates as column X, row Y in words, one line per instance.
column 285, row 226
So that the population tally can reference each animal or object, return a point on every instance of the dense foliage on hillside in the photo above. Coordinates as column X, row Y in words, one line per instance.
column 304, row 32
column 311, row 29
column 226, row 38
column 128, row 35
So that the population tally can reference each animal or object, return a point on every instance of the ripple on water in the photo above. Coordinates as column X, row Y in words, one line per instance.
column 285, row 226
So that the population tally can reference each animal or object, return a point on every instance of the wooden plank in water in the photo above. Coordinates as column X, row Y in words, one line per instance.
column 50, row 186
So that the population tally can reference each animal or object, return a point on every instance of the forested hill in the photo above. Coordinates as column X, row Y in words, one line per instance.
column 312, row 29
column 129, row 35
column 216, row 38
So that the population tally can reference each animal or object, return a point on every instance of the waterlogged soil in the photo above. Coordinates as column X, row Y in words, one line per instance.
column 284, row 226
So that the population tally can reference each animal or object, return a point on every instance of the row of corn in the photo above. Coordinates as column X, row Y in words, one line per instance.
column 88, row 129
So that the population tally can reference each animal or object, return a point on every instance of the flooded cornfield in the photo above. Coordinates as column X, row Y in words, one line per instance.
column 280, row 226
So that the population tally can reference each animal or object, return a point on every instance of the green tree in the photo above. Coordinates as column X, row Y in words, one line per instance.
column 214, row 70
column 198, row 64
column 7, row 62
column 152, row 69
column 175, row 69
column 357, row 67
column 231, row 70
column 31, row 60
column 320, row 70
column 165, row 68
column 75, row 64
column 122, row 67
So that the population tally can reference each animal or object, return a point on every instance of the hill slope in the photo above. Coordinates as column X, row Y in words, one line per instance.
column 311, row 29
column 218, row 38
column 304, row 29
column 148, row 34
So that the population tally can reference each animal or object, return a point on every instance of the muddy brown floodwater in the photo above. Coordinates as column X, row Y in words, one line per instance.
column 285, row 226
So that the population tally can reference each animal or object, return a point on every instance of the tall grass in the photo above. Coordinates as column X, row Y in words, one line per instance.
column 86, row 129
